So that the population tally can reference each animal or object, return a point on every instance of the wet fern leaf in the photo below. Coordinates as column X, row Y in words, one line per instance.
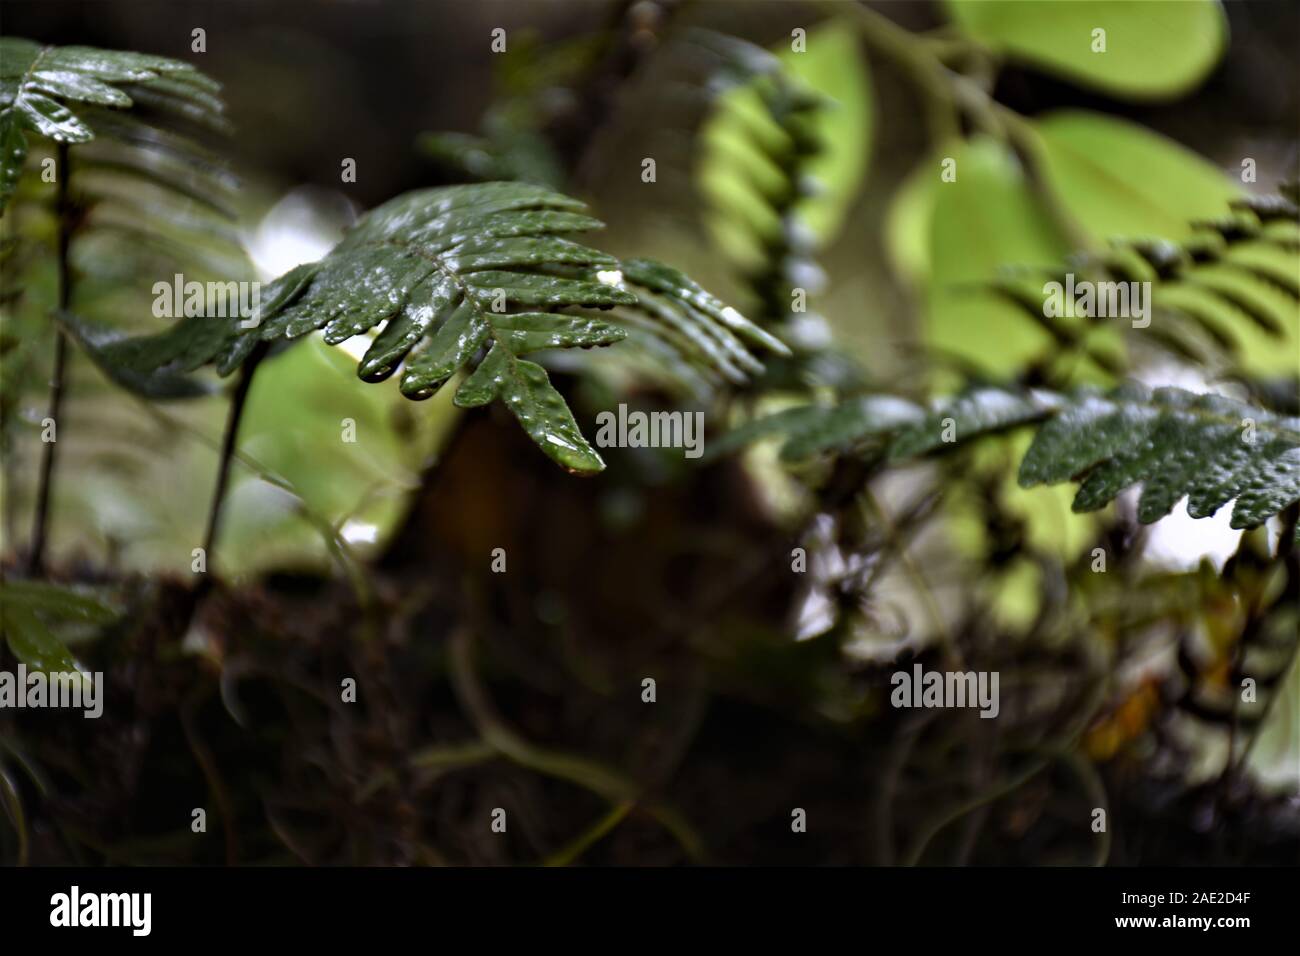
column 894, row 427
column 1208, row 448
column 469, row 279
column 41, row 85
column 701, row 328
column 978, row 411
column 103, row 345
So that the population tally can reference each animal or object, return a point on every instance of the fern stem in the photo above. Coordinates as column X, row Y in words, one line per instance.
column 362, row 587
column 590, row 837
column 45, row 485
column 233, row 417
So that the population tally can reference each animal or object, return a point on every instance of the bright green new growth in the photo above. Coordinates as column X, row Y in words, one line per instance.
column 463, row 270
column 1208, row 448
column 37, row 84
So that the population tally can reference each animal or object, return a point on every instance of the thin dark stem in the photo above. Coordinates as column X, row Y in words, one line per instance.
column 233, row 416
column 65, row 213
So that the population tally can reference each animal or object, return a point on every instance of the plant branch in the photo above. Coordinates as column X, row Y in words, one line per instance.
column 65, row 214
column 924, row 69
column 950, row 94
column 233, row 417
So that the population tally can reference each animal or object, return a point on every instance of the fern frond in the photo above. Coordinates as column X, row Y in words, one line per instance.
column 39, row 85
column 1209, row 448
column 100, row 342
column 128, row 146
column 889, row 425
column 1205, row 447
column 144, row 199
column 463, row 271
column 133, row 176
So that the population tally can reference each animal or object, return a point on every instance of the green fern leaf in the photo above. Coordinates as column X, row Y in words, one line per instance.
column 858, row 423
column 785, row 423
column 100, row 344
column 875, row 423
column 462, row 271
column 1210, row 448
column 1207, row 448
column 979, row 411
column 39, row 84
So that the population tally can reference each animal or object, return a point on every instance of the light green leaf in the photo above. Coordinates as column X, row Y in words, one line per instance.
column 989, row 217
column 1153, row 50
column 907, row 223
column 1118, row 179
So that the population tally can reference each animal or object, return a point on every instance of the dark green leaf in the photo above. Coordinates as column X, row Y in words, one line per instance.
column 37, row 84
column 25, row 608
column 103, row 346
column 977, row 412
column 1208, row 447
column 442, row 271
